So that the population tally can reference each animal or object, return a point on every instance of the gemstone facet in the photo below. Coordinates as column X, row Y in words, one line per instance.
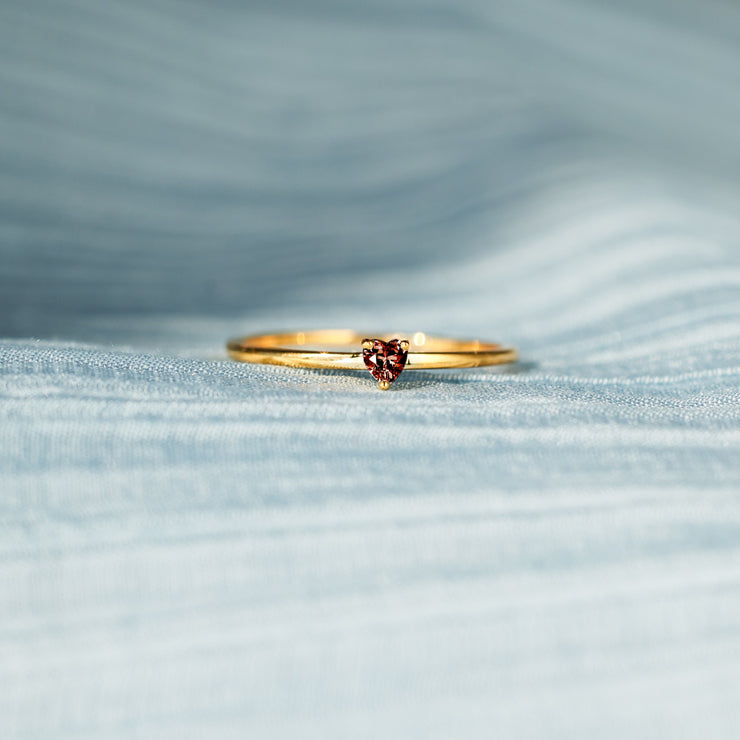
column 385, row 360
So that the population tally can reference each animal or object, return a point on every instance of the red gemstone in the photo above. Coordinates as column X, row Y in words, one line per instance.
column 385, row 360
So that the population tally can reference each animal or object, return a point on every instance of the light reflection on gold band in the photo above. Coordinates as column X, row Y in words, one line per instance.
column 341, row 349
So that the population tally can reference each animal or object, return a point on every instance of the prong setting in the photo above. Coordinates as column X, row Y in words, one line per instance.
column 385, row 359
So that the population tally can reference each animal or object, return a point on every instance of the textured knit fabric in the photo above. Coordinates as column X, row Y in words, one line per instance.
column 196, row 548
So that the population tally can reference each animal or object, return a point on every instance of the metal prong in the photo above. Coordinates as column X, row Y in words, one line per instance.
column 405, row 345
column 367, row 344
column 384, row 385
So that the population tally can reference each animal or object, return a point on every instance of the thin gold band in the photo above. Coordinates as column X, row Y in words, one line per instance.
column 306, row 349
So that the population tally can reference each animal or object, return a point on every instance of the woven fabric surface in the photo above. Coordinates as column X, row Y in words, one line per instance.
column 192, row 547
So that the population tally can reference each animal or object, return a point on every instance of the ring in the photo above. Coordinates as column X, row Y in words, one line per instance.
column 384, row 355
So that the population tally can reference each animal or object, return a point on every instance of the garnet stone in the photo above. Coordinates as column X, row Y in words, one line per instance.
column 385, row 360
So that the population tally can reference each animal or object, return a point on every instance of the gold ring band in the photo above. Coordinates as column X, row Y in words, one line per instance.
column 384, row 355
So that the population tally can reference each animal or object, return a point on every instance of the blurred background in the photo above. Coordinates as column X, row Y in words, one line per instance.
column 191, row 547
column 200, row 168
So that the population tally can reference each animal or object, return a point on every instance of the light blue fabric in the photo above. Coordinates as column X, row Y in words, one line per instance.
column 191, row 547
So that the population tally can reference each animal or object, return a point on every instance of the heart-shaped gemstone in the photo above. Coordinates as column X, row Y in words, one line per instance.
column 385, row 360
